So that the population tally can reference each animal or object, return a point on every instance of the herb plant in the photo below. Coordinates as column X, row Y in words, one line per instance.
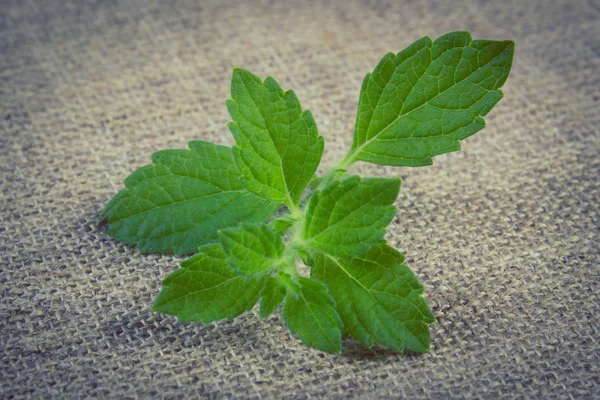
column 254, row 212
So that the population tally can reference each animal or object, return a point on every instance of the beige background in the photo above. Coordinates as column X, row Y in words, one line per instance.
column 504, row 234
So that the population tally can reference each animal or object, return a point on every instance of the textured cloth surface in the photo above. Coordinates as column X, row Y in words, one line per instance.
column 503, row 234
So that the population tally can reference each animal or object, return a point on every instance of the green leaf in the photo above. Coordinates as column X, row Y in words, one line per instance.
column 378, row 298
column 181, row 200
column 206, row 288
column 310, row 313
column 283, row 224
column 422, row 101
column 252, row 249
column 347, row 217
column 271, row 297
column 278, row 147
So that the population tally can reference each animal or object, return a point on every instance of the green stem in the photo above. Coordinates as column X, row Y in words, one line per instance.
column 335, row 172
column 295, row 211
column 346, row 161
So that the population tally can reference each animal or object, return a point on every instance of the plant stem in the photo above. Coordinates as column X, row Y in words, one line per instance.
column 295, row 211
column 345, row 162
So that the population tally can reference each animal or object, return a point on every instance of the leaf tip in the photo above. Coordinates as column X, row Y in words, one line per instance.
column 103, row 223
column 273, row 85
column 244, row 74
column 225, row 235
column 158, row 306
column 290, row 95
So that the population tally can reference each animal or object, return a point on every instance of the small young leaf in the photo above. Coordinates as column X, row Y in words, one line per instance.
column 347, row 217
column 310, row 313
column 422, row 101
column 252, row 249
column 278, row 147
column 283, row 224
column 181, row 200
column 378, row 298
column 271, row 297
column 206, row 288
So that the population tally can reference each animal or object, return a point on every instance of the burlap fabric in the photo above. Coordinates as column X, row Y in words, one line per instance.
column 504, row 234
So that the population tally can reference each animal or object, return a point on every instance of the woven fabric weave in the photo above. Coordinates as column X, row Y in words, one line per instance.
column 503, row 234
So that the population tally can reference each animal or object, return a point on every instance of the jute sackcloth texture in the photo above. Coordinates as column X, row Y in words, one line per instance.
column 504, row 234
